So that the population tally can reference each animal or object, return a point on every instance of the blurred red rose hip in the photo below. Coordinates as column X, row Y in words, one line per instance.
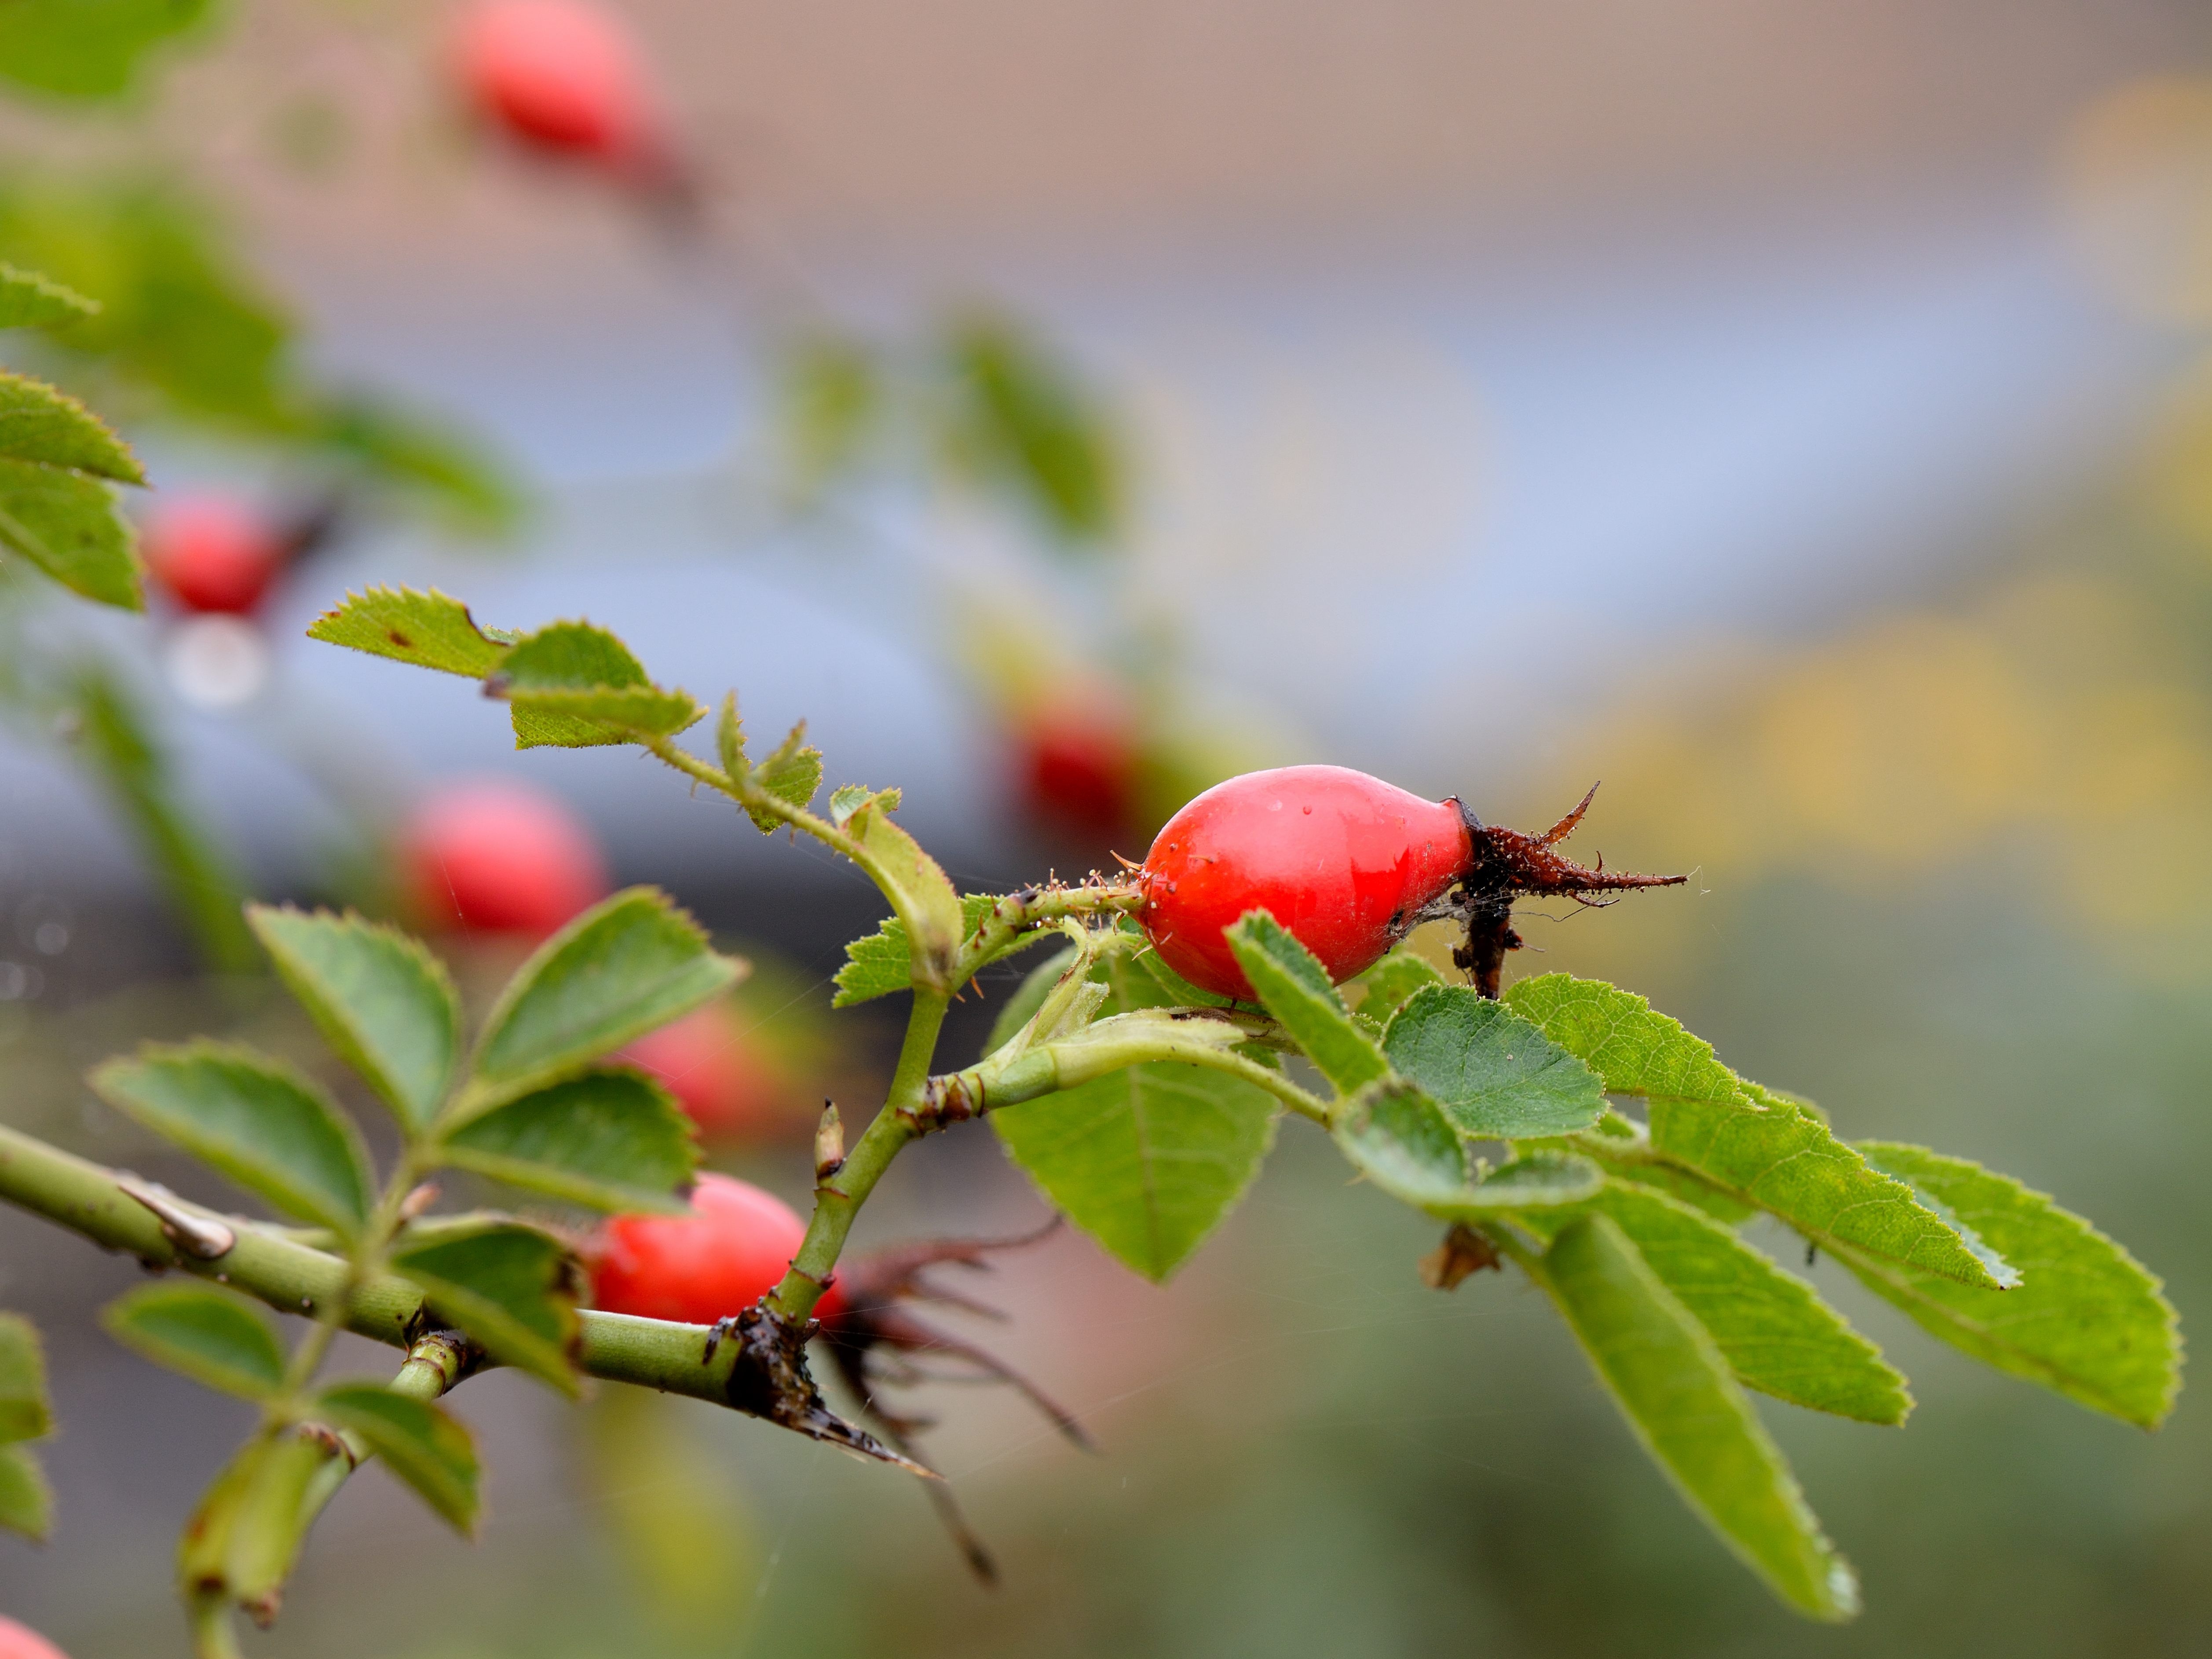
column 16, row 1642
column 212, row 552
column 561, row 75
column 717, row 1260
column 717, row 1071
column 1078, row 767
column 499, row 857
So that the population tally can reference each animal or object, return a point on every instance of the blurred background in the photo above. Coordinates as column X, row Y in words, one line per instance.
column 1800, row 419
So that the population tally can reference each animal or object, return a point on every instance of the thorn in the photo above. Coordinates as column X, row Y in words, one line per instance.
column 412, row 1206
column 1565, row 827
column 200, row 1236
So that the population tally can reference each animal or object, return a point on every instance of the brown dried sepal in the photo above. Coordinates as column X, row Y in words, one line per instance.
column 1464, row 1251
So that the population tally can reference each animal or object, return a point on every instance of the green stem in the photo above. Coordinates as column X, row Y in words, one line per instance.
column 296, row 1278
column 838, row 1196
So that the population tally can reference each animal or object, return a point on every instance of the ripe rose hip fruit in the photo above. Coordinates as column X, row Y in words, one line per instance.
column 499, row 857
column 1078, row 767
column 713, row 1263
column 563, row 75
column 1342, row 860
column 16, row 1642
column 213, row 552
column 1346, row 863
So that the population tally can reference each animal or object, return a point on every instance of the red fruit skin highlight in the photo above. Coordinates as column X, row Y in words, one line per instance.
column 212, row 553
column 717, row 1260
column 501, row 858
column 561, row 75
column 1341, row 860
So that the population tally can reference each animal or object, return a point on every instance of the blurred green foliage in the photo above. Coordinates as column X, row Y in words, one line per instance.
column 89, row 49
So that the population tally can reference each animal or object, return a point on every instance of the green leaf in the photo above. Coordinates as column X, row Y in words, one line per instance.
column 575, row 686
column 1149, row 1159
column 112, row 736
column 24, row 1412
column 1405, row 1144
column 792, row 772
column 380, row 999
column 30, row 301
column 1756, row 1146
column 67, row 524
column 1496, row 1075
column 1674, row 1385
column 1021, row 421
column 429, row 630
column 38, row 422
column 27, row 1501
column 87, row 49
column 1018, row 1009
column 1387, row 985
column 213, row 1337
column 627, row 966
column 831, row 395
column 936, row 922
column 1296, row 989
column 253, row 1118
column 612, row 1139
column 422, row 1444
column 510, row 1288
column 2086, row 1321
column 1778, row 1335
column 880, row 963
column 730, row 738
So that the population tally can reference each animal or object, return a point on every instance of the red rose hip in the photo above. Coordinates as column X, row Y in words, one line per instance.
column 1342, row 860
column 213, row 552
column 500, row 857
column 19, row 1642
column 561, row 75
column 725, row 1255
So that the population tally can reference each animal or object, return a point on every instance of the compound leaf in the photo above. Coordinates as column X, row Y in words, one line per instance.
column 420, row 1443
column 67, row 524
column 1294, row 989
column 428, row 629
column 2087, row 1319
column 1496, row 1076
column 1755, row 1145
column 612, row 1138
column 25, row 1414
column 510, row 1287
column 1407, row 1145
column 575, row 686
column 215, row 1338
column 627, row 966
column 381, row 1000
column 1673, row 1383
column 253, row 1118
column 792, row 772
column 1780, row 1337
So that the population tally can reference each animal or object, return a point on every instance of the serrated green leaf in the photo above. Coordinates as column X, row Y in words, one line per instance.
column 87, row 49
column 2086, row 1320
column 422, row 1444
column 848, row 799
column 213, row 1337
column 1149, row 1160
column 791, row 772
column 42, row 424
column 575, row 686
column 1779, row 1337
column 613, row 1139
column 1496, row 1076
column 25, row 1414
column 429, row 629
column 878, row 964
column 918, row 888
column 1673, row 1383
column 1386, row 987
column 68, row 524
column 29, row 300
column 1755, row 1146
column 1405, row 1144
column 627, row 966
column 27, row 1501
column 510, row 1288
column 1293, row 987
column 380, row 998
column 255, row 1119
column 730, row 738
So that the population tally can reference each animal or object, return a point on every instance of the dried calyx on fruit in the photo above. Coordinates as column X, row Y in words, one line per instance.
column 1349, row 865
